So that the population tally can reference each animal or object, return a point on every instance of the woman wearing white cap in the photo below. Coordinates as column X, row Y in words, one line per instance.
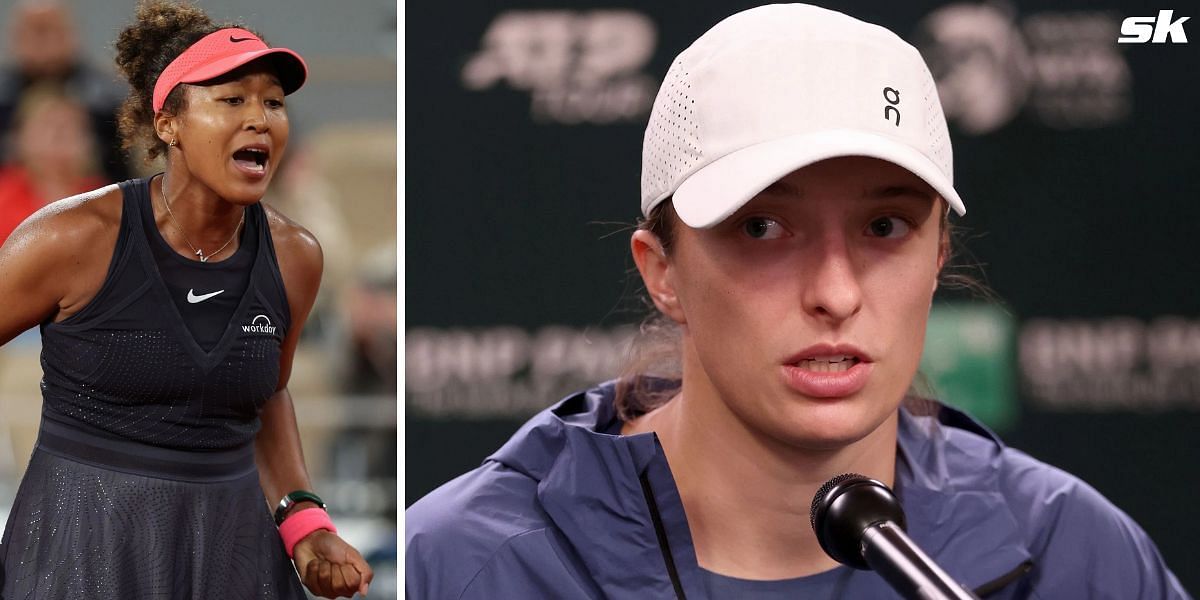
column 796, row 185
column 170, row 308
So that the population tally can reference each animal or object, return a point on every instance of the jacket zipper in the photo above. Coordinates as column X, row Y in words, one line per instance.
column 1002, row 581
column 661, row 532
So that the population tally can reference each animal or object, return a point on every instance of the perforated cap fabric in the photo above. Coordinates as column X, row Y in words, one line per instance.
column 221, row 52
column 774, row 88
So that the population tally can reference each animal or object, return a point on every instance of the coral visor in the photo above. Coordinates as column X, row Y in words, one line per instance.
column 221, row 52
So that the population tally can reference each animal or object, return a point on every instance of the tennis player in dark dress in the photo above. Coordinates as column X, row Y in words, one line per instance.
column 170, row 308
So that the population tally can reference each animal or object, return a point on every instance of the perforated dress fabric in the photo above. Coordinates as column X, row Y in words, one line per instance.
column 127, row 364
column 143, row 483
column 79, row 531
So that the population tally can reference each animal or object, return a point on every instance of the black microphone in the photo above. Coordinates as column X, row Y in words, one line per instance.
column 859, row 523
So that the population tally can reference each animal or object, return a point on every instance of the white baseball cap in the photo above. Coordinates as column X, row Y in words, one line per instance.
column 775, row 88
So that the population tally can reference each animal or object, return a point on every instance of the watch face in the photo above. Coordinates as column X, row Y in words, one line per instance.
column 291, row 499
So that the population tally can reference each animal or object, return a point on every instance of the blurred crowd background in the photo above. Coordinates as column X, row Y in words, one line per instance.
column 59, row 92
column 1076, row 157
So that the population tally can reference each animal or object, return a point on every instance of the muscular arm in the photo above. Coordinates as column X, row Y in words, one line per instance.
column 328, row 566
column 28, row 296
column 277, row 446
column 54, row 263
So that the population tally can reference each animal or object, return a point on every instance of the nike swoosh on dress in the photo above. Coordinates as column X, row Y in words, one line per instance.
column 193, row 298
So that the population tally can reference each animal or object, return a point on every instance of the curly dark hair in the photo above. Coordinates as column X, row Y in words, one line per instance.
column 161, row 32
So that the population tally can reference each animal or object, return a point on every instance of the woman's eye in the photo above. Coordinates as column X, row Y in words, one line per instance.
column 889, row 227
column 762, row 228
column 234, row 101
column 275, row 103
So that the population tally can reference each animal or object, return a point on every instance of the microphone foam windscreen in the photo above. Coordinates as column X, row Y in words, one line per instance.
column 819, row 497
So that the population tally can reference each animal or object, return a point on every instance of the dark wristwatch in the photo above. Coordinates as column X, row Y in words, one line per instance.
column 291, row 499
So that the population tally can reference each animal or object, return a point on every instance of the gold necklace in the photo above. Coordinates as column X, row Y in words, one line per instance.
column 162, row 185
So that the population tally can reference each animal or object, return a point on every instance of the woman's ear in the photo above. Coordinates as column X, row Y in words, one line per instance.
column 943, row 248
column 656, row 272
column 164, row 127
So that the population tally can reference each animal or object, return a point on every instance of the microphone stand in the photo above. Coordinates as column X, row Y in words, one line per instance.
column 892, row 554
column 859, row 523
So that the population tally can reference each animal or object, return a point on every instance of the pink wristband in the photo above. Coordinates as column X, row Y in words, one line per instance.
column 301, row 523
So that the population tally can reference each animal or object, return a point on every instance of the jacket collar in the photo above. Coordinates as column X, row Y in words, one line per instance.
column 590, row 483
column 948, row 481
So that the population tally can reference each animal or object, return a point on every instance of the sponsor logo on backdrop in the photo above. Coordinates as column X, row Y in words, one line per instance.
column 578, row 66
column 1112, row 364
column 506, row 371
column 968, row 358
column 1156, row 30
column 1060, row 68
column 1117, row 364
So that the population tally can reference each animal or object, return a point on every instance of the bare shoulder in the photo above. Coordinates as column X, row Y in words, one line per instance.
column 293, row 243
column 71, row 227
column 72, row 240
column 300, row 262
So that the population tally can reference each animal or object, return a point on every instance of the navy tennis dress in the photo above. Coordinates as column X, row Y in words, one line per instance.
column 143, row 482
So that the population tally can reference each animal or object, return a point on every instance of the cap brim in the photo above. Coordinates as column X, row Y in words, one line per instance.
column 290, row 68
column 720, row 188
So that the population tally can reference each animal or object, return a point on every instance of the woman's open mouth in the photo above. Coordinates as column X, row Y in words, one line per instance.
column 252, row 160
column 828, row 364
column 828, row 371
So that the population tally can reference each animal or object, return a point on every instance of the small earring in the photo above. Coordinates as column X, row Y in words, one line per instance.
column 173, row 143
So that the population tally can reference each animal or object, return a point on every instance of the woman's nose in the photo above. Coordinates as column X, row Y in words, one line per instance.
column 832, row 289
column 256, row 118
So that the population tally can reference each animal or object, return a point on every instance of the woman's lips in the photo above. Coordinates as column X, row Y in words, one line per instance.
column 835, row 382
column 252, row 160
column 255, row 172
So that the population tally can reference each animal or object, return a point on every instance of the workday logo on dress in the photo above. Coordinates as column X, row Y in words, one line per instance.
column 260, row 324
